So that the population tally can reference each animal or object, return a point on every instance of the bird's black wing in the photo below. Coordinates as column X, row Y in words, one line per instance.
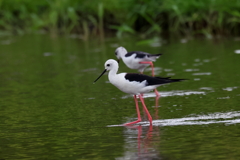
column 139, row 54
column 150, row 80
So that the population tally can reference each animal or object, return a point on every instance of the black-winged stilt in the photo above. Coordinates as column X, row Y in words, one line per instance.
column 135, row 84
column 137, row 60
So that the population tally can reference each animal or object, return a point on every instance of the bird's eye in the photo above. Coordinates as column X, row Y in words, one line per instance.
column 108, row 65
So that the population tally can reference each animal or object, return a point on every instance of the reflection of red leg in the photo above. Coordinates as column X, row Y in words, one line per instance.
column 138, row 113
column 149, row 133
column 139, row 138
column 156, row 107
column 146, row 110
column 156, row 102
column 148, row 138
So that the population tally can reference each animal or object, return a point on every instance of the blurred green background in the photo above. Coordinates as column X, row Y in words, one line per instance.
column 121, row 17
column 50, row 109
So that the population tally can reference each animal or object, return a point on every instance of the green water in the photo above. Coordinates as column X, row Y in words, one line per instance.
column 50, row 108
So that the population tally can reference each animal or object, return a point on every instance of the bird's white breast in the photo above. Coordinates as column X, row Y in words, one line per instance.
column 133, row 62
column 131, row 87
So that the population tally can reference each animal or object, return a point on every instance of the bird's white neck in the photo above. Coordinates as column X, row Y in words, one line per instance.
column 112, row 73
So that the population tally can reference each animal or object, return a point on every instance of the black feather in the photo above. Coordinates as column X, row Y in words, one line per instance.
column 140, row 54
column 154, row 55
column 150, row 80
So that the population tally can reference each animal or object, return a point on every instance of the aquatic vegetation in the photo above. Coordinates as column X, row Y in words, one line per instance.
column 145, row 17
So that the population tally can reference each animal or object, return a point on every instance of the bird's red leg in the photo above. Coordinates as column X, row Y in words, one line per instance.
column 146, row 110
column 151, row 64
column 138, row 113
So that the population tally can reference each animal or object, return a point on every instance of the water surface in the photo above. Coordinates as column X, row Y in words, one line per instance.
column 50, row 108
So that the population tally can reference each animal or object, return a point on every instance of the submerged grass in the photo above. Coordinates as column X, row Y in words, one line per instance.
column 192, row 17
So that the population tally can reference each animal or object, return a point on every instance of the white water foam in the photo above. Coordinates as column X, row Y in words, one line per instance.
column 169, row 93
column 228, row 118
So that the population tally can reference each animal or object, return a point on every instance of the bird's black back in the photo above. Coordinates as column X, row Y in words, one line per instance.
column 139, row 54
column 150, row 80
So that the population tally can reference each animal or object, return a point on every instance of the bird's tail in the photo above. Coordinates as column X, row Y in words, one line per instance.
column 153, row 57
column 168, row 80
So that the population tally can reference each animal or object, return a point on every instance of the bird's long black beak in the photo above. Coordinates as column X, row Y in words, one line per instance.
column 105, row 70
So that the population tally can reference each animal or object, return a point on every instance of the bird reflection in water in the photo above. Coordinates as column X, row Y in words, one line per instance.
column 140, row 140
column 140, row 145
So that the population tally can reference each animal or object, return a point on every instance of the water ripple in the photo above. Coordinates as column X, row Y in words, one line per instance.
column 229, row 88
column 228, row 118
column 237, row 51
column 203, row 73
column 169, row 93
column 214, row 118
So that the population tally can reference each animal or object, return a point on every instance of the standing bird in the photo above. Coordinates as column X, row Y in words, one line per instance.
column 137, row 60
column 135, row 84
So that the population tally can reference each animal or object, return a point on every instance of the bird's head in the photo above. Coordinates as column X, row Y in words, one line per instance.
column 119, row 52
column 110, row 64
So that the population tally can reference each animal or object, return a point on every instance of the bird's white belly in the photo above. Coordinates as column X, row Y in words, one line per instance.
column 128, row 88
column 133, row 63
column 131, row 87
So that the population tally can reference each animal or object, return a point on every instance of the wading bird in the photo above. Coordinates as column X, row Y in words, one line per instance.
column 137, row 60
column 134, row 83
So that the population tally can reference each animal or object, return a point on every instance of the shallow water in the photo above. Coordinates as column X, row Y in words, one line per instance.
column 50, row 108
